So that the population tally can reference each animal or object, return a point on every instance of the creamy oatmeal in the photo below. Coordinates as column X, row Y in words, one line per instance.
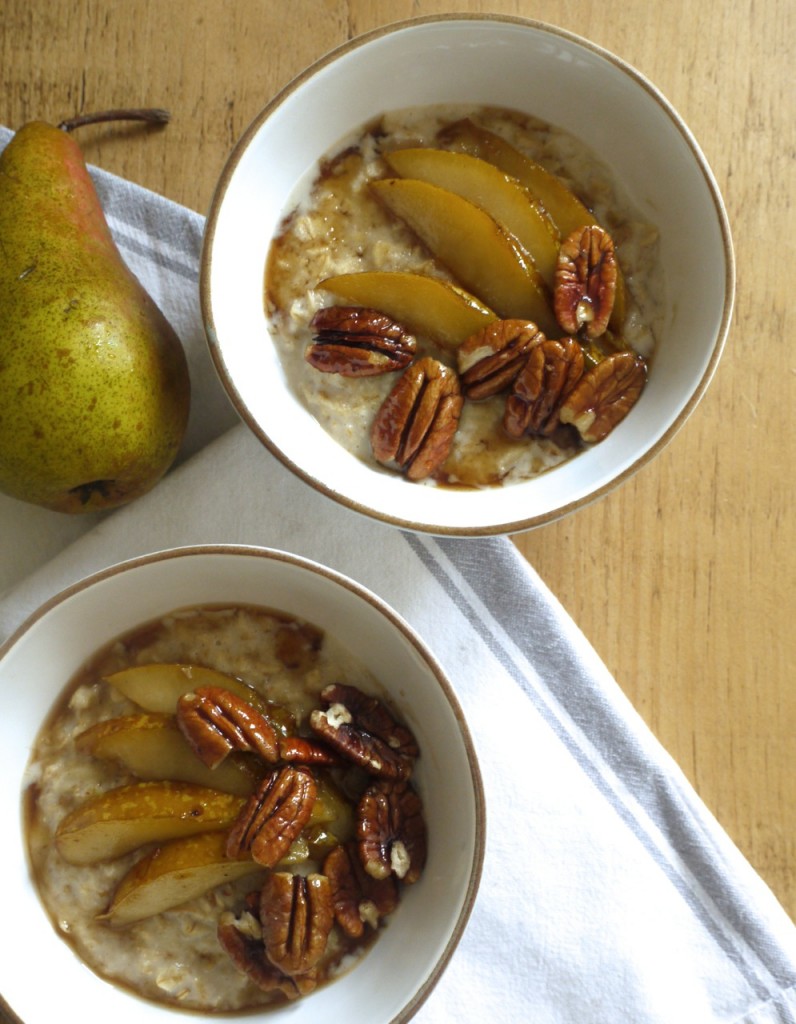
column 338, row 226
column 315, row 701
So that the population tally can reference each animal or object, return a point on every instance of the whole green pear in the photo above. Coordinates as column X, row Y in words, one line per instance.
column 94, row 386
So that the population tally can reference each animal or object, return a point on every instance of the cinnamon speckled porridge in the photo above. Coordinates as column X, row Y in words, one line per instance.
column 175, row 956
column 336, row 226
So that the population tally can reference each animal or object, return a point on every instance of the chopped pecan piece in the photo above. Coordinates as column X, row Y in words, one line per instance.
column 604, row 395
column 215, row 722
column 391, row 831
column 490, row 359
column 241, row 938
column 551, row 371
column 296, row 917
column 585, row 281
column 415, row 425
column 364, row 732
column 358, row 342
column 273, row 816
column 357, row 898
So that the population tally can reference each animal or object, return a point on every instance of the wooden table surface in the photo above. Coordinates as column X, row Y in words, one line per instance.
column 682, row 579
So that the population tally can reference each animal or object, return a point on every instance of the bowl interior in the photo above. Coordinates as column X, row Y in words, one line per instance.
column 507, row 62
column 403, row 965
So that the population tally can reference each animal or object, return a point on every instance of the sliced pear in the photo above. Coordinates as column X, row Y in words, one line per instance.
column 423, row 305
column 484, row 258
column 298, row 852
column 332, row 809
column 158, row 687
column 173, row 874
column 151, row 746
column 566, row 211
column 114, row 823
column 494, row 191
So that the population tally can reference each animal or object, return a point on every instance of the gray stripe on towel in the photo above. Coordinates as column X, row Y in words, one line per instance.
column 525, row 626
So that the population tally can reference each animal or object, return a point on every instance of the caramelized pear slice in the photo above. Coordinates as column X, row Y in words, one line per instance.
column 423, row 305
column 566, row 211
column 120, row 820
column 332, row 809
column 151, row 746
column 173, row 874
column 481, row 256
column 491, row 189
column 158, row 687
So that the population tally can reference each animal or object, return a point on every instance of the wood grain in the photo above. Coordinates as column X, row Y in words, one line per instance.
column 683, row 578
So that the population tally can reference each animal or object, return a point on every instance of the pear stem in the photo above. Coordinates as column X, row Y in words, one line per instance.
column 152, row 115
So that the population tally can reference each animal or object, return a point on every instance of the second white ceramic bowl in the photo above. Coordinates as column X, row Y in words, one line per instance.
column 39, row 971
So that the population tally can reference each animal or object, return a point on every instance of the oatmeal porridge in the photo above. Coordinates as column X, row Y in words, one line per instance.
column 209, row 784
column 358, row 239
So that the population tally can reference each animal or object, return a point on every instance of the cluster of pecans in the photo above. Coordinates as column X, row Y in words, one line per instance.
column 546, row 380
column 281, row 937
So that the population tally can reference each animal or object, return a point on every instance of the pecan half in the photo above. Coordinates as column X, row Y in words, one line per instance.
column 296, row 917
column 358, row 899
column 585, row 281
column 215, row 722
column 391, row 831
column 358, row 342
column 604, row 395
column 490, row 359
column 550, row 372
column 373, row 715
column 415, row 425
column 273, row 817
column 299, row 750
column 363, row 731
column 241, row 938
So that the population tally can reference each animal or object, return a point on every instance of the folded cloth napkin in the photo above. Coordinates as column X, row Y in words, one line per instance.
column 609, row 894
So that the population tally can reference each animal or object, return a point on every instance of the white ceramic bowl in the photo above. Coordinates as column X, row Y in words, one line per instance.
column 514, row 63
column 35, row 664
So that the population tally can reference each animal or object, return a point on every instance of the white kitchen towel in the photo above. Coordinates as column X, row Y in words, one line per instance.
column 609, row 894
